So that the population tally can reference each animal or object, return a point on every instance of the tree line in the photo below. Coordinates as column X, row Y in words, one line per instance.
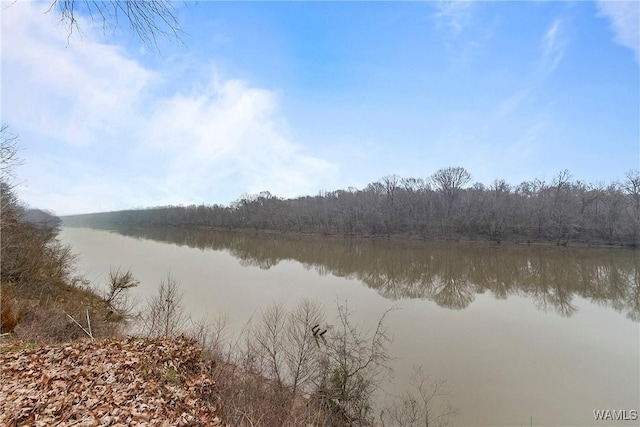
column 560, row 210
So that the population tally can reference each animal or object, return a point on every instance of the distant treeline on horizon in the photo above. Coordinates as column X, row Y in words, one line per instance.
column 441, row 206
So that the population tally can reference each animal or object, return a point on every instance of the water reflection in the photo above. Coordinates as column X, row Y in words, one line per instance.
column 450, row 274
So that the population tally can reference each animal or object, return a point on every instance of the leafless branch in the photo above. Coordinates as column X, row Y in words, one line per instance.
column 149, row 20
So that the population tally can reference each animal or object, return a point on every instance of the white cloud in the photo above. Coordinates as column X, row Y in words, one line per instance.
column 230, row 129
column 553, row 45
column 101, row 132
column 624, row 17
column 74, row 88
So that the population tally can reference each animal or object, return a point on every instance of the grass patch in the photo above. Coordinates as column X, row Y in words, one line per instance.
column 172, row 375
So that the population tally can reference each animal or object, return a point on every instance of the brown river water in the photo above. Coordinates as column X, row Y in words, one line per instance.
column 522, row 335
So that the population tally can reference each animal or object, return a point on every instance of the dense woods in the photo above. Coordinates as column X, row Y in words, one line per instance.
column 444, row 205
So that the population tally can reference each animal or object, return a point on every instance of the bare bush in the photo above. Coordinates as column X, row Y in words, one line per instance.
column 292, row 367
column 164, row 315
column 423, row 404
column 268, row 338
column 117, row 295
column 274, row 362
column 213, row 334
column 295, row 369
column 352, row 368
column 301, row 346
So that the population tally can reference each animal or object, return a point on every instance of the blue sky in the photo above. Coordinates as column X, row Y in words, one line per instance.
column 298, row 97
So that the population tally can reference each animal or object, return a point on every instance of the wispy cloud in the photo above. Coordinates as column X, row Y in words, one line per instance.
column 465, row 38
column 554, row 44
column 624, row 17
column 510, row 134
column 511, row 104
column 455, row 15
column 102, row 131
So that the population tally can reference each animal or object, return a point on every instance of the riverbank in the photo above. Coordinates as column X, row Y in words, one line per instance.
column 416, row 238
column 506, row 241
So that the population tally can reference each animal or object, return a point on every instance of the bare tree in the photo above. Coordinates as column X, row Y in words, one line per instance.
column 560, row 208
column 10, row 207
column 9, row 158
column 148, row 19
column 450, row 182
column 390, row 183
column 612, row 201
column 499, row 191
column 632, row 186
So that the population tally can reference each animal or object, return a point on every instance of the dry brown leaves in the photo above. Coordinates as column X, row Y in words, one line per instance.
column 112, row 382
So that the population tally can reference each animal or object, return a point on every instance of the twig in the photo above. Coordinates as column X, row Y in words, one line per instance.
column 89, row 325
column 82, row 327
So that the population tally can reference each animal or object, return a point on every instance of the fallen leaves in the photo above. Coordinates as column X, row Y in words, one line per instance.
column 115, row 382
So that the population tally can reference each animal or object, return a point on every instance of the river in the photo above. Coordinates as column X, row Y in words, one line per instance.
column 522, row 335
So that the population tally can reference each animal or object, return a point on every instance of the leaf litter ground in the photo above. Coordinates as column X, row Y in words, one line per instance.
column 113, row 382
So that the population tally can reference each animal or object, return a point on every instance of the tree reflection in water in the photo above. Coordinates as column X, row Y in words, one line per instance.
column 448, row 273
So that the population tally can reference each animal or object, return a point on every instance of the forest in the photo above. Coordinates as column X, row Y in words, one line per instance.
column 443, row 206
